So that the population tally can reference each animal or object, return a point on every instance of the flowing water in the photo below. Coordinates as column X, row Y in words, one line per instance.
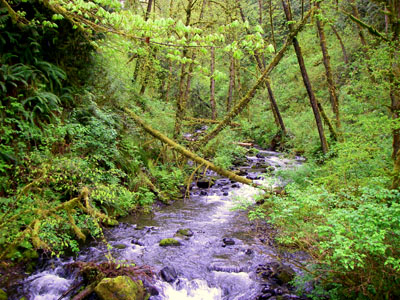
column 207, row 266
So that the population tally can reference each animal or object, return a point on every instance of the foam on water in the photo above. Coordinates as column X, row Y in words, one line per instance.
column 184, row 289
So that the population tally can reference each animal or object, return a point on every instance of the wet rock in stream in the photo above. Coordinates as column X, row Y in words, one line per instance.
column 205, row 183
column 228, row 241
column 169, row 242
column 137, row 242
column 185, row 232
column 120, row 288
column 168, row 274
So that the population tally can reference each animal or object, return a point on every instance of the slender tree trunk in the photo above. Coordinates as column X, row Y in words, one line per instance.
column 170, row 70
column 185, row 77
column 212, row 85
column 271, row 22
column 394, row 78
column 306, row 80
column 261, row 65
column 260, row 11
column 275, row 109
column 180, row 109
column 189, row 81
column 229, row 99
column 244, row 101
column 146, row 76
column 148, row 11
column 328, row 70
column 360, row 30
column 345, row 56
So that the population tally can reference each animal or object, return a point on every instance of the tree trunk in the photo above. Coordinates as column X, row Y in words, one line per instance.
column 183, row 91
column 306, row 80
column 238, row 108
column 394, row 78
column 271, row 21
column 229, row 99
column 345, row 57
column 260, row 10
column 275, row 108
column 212, row 85
column 146, row 76
column 179, row 101
column 169, row 78
column 261, row 65
column 328, row 70
column 148, row 11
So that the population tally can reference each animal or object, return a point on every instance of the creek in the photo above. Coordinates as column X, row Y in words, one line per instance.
column 221, row 258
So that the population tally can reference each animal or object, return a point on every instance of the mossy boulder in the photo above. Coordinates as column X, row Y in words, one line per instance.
column 120, row 246
column 120, row 288
column 169, row 242
column 185, row 232
column 3, row 295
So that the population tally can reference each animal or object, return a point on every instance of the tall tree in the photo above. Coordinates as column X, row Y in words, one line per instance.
column 339, row 38
column 212, row 84
column 260, row 60
column 327, row 63
column 306, row 79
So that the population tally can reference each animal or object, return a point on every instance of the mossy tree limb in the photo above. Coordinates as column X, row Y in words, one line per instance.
column 182, row 150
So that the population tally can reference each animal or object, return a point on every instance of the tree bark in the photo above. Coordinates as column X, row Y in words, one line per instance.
column 271, row 21
column 212, row 85
column 180, row 109
column 238, row 108
column 306, row 80
column 229, row 98
column 183, row 91
column 394, row 76
column 260, row 10
column 328, row 70
column 148, row 11
column 345, row 56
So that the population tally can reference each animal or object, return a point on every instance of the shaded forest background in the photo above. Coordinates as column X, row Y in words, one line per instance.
column 81, row 81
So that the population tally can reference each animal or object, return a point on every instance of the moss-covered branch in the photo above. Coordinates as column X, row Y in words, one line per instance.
column 207, row 121
column 15, row 17
column 182, row 150
column 370, row 29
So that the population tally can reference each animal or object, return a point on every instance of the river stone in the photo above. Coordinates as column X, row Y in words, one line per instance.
column 285, row 274
column 3, row 295
column 228, row 241
column 120, row 246
column 204, row 183
column 169, row 242
column 168, row 274
column 185, row 232
column 120, row 288
column 137, row 242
